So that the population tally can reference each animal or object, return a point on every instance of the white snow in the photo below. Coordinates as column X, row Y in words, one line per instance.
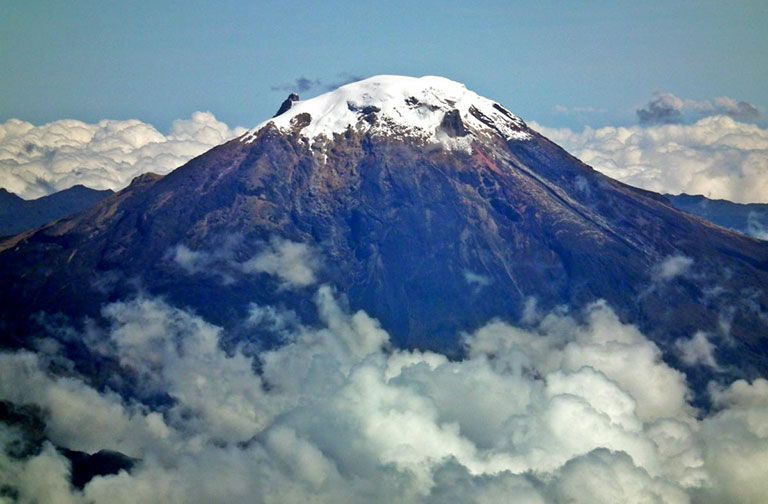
column 408, row 106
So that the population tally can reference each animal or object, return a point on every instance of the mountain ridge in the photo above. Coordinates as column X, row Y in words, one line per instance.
column 18, row 215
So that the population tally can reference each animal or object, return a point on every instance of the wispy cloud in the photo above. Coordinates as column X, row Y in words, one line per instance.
column 304, row 84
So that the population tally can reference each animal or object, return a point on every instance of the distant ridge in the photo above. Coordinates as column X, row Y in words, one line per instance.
column 18, row 215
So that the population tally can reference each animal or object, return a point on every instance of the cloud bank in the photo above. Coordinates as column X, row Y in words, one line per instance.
column 577, row 407
column 39, row 160
column 716, row 156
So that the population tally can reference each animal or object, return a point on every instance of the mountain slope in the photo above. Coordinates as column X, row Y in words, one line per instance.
column 430, row 207
column 17, row 214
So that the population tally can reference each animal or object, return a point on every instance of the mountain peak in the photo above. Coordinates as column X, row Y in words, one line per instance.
column 432, row 109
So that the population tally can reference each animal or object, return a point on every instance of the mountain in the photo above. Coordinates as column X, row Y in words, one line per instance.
column 17, row 214
column 428, row 206
column 748, row 218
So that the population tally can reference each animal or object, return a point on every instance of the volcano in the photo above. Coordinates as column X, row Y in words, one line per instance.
column 426, row 205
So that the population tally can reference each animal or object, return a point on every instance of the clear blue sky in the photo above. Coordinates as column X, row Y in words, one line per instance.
column 158, row 61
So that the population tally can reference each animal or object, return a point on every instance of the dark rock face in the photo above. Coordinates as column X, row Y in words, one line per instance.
column 17, row 214
column 85, row 467
column 287, row 104
column 453, row 125
column 401, row 226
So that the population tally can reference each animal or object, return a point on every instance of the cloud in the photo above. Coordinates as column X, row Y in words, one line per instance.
column 294, row 264
column 300, row 84
column 717, row 156
column 578, row 407
column 672, row 267
column 476, row 281
column 666, row 108
column 79, row 417
column 697, row 351
column 39, row 160
column 305, row 84
column 757, row 225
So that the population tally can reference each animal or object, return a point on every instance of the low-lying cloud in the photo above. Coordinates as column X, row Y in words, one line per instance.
column 293, row 264
column 38, row 160
column 577, row 408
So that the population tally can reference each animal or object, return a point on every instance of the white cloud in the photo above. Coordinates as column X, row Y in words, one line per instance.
column 476, row 281
column 715, row 156
column 697, row 351
column 294, row 264
column 578, row 408
column 80, row 417
column 39, row 160
column 672, row 267
column 41, row 478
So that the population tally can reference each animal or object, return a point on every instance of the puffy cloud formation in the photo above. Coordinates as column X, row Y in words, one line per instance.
column 39, row 160
column 666, row 108
column 717, row 156
column 574, row 408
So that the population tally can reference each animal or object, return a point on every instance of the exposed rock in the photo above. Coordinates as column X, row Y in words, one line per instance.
column 452, row 124
column 287, row 104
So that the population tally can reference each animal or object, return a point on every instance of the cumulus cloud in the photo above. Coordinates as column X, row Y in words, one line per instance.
column 39, row 160
column 666, row 108
column 577, row 407
column 716, row 156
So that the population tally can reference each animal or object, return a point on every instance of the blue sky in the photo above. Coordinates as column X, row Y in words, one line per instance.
column 158, row 61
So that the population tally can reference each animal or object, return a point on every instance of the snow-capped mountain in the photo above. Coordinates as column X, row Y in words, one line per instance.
column 433, row 110
column 430, row 207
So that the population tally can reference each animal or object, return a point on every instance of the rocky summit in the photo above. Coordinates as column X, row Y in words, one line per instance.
column 426, row 205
